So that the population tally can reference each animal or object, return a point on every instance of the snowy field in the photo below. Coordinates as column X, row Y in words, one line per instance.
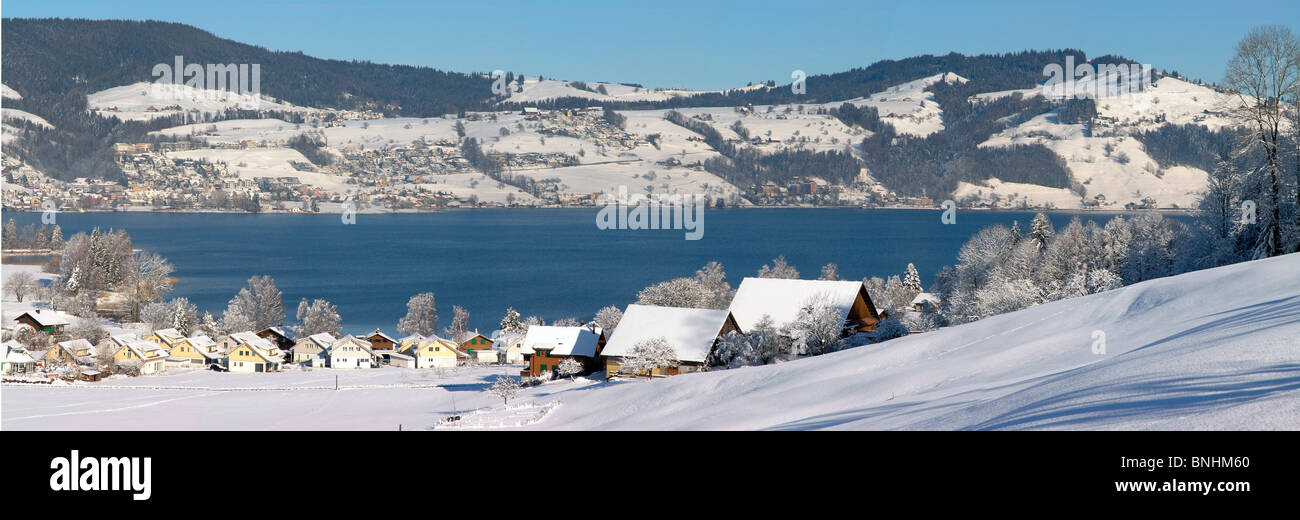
column 1214, row 349
column 375, row 399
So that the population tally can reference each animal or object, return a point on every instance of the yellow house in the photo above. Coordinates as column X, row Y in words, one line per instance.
column 254, row 357
column 167, row 338
column 71, row 351
column 151, row 357
column 198, row 351
column 434, row 352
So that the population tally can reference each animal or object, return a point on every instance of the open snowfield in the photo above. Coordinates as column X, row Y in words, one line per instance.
column 132, row 102
column 375, row 399
column 1214, row 349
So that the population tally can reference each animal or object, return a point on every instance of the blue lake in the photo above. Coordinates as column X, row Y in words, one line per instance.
column 552, row 263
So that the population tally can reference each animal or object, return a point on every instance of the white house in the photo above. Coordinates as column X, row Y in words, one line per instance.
column 510, row 345
column 16, row 359
column 311, row 347
column 351, row 352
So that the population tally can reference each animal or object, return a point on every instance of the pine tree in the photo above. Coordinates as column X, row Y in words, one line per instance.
column 1042, row 231
column 511, row 322
column 912, row 279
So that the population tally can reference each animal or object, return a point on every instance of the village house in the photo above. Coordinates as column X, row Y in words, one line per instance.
column 151, row 357
column 310, row 348
column 510, row 346
column 278, row 336
column 692, row 333
column 16, row 359
column 545, row 347
column 783, row 300
column 197, row 351
column 78, row 351
column 253, row 353
column 469, row 342
column 167, row 338
column 47, row 321
column 351, row 352
column 380, row 341
column 435, row 352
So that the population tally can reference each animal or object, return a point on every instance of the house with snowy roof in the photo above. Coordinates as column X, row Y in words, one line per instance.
column 468, row 342
column 16, row 359
column 351, row 352
column 310, row 348
column 510, row 346
column 72, row 351
column 167, row 338
column 545, row 347
column 196, row 351
column 380, row 341
column 784, row 299
column 434, row 352
column 151, row 357
column 692, row 333
column 44, row 320
column 280, row 337
column 252, row 353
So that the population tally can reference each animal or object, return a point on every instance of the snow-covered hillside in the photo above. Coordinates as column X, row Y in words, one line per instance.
column 135, row 101
column 1214, row 349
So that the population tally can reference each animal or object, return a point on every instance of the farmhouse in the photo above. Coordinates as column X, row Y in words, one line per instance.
column 47, row 321
column 545, row 347
column 351, row 352
column 783, row 299
column 692, row 333
column 16, row 359
column 72, row 351
column 310, row 348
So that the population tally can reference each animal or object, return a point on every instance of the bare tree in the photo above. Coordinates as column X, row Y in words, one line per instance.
column 1265, row 75
column 148, row 281
column 459, row 323
column 20, row 284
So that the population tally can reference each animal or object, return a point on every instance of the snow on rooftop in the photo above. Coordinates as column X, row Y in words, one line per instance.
column 561, row 341
column 782, row 299
column 691, row 332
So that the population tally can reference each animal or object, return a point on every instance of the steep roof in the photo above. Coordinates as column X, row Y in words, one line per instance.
column 561, row 341
column 73, row 345
column 691, row 332
column 783, row 299
column 251, row 338
column 381, row 334
column 48, row 317
column 351, row 340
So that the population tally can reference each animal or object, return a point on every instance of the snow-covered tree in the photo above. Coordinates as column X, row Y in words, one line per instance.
column 148, row 281
column 208, row 326
column 678, row 292
column 608, row 317
column 912, row 279
column 830, row 271
column 511, row 322
column 184, row 316
column 459, row 323
column 648, row 355
column 779, row 269
column 504, row 387
column 713, row 279
column 317, row 317
column 817, row 328
column 421, row 316
column 89, row 329
column 1041, row 232
column 256, row 307
column 568, row 368
column 889, row 329
column 157, row 315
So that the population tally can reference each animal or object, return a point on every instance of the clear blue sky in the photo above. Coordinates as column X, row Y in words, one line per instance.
column 704, row 44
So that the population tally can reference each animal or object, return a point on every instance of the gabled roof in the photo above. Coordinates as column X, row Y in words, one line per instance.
column 280, row 331
column 468, row 335
column 783, row 299
column 169, row 333
column 381, row 334
column 451, row 345
column 145, row 349
column 47, row 317
column 73, row 345
column 561, row 341
column 691, row 332
column 15, row 352
column 251, row 338
column 202, row 341
column 413, row 338
column 351, row 340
